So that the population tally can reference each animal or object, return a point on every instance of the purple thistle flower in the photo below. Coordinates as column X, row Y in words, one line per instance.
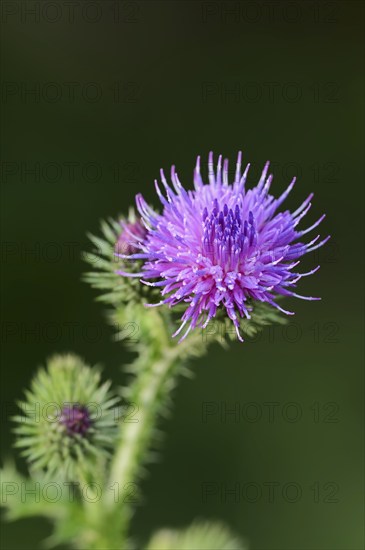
column 220, row 246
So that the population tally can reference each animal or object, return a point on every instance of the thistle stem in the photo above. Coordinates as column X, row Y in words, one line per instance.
column 134, row 440
column 134, row 434
column 149, row 392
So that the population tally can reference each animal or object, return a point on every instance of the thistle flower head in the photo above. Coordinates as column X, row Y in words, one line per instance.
column 67, row 421
column 220, row 246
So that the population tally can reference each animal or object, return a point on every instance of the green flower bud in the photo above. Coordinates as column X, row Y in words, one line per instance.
column 68, row 420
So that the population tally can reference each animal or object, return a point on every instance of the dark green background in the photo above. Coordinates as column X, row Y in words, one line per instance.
column 305, row 58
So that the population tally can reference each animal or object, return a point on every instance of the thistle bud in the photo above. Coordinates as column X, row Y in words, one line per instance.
column 67, row 421
column 131, row 235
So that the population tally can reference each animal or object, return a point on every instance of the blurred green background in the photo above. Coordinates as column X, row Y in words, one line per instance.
column 121, row 89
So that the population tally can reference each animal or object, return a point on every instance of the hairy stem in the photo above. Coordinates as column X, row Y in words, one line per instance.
column 155, row 371
column 150, row 388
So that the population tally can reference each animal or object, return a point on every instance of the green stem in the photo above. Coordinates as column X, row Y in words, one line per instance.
column 156, row 369
column 150, row 389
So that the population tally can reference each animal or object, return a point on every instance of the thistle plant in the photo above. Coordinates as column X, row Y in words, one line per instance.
column 218, row 256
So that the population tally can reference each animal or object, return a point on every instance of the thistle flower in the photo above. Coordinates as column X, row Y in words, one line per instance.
column 67, row 422
column 220, row 246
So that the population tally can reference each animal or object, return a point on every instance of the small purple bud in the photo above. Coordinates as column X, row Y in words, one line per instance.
column 132, row 233
column 76, row 419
